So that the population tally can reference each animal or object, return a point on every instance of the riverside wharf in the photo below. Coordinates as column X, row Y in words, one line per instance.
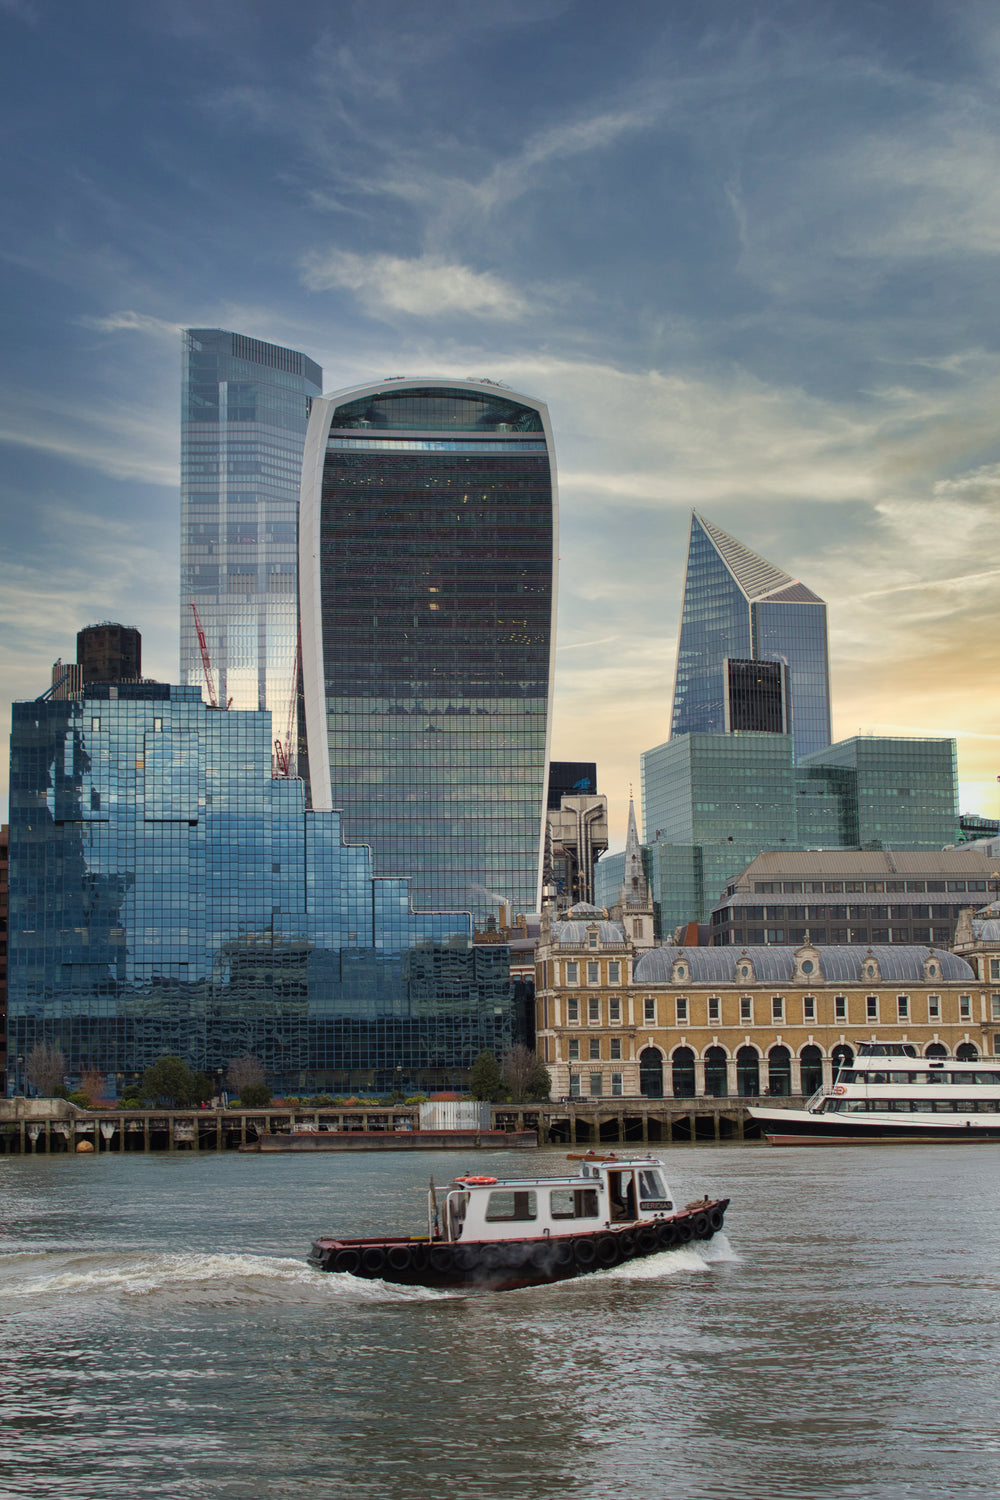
column 42, row 1126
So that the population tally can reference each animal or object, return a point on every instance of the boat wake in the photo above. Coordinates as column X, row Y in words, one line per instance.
column 218, row 1280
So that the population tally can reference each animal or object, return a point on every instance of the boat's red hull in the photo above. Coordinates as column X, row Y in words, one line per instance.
column 500, row 1265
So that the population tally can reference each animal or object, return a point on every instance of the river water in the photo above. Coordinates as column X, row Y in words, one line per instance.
column 161, row 1335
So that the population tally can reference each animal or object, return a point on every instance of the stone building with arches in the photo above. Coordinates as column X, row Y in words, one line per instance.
column 617, row 1018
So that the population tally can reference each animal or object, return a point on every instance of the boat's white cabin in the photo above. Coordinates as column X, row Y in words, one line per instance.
column 607, row 1192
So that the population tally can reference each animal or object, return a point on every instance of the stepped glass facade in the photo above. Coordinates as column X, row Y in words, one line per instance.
column 244, row 412
column 738, row 609
column 427, row 582
column 169, row 896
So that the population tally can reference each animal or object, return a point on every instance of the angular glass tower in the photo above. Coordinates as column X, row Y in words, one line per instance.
column 244, row 412
column 739, row 608
column 427, row 552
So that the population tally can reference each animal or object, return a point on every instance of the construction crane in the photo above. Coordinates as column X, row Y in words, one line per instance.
column 205, row 662
column 283, row 748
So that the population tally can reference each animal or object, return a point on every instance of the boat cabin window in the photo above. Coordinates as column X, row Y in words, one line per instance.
column 512, row 1204
column 574, row 1203
column 651, row 1184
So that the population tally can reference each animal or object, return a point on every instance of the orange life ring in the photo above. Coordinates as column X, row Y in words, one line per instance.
column 839, row 1089
column 477, row 1181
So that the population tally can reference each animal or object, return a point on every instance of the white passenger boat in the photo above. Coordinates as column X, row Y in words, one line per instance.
column 525, row 1231
column 888, row 1093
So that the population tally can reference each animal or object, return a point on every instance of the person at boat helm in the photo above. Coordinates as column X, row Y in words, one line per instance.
column 621, row 1187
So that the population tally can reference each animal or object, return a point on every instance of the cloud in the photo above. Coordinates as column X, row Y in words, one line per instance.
column 133, row 322
column 122, row 442
column 426, row 287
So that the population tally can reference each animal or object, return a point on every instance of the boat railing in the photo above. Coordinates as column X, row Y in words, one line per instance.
column 826, row 1092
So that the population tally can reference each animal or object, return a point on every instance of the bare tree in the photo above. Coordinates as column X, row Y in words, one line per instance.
column 525, row 1075
column 44, row 1068
column 517, row 1065
column 243, row 1072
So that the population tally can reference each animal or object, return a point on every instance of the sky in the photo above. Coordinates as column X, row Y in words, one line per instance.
column 746, row 252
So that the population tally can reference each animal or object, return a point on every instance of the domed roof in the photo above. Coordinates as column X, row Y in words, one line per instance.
column 902, row 964
column 582, row 910
column 574, row 934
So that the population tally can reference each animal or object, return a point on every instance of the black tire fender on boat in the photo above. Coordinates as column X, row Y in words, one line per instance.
column 716, row 1218
column 418, row 1257
column 398, row 1257
column 702, row 1226
column 491, row 1257
column 562, row 1252
column 607, row 1250
column 584, row 1252
column 540, row 1255
column 373, row 1260
column 684, row 1230
column 646, row 1241
column 666, row 1234
column 442, row 1257
column 514, row 1255
column 626, row 1244
column 467, row 1257
column 348, row 1261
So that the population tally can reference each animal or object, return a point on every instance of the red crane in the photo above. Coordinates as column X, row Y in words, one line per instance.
column 205, row 662
column 283, row 748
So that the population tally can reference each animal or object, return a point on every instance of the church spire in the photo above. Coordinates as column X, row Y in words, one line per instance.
column 635, row 891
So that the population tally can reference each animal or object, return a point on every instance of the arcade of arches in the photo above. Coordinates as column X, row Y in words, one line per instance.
column 750, row 1072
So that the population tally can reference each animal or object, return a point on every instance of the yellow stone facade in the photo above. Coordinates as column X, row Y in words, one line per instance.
column 603, row 1034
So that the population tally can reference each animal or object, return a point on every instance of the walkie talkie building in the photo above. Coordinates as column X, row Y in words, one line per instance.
column 427, row 554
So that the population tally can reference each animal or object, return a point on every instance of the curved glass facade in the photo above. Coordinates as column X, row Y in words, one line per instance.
column 244, row 411
column 169, row 896
column 428, row 594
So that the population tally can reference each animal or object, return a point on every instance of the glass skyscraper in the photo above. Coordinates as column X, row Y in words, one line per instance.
column 427, row 586
column 739, row 608
column 244, row 411
column 168, row 895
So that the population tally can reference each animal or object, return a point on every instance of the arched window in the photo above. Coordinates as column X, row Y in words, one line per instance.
column 747, row 1073
column 966, row 1052
column 683, row 1073
column 651, row 1073
column 779, row 1071
column 936, row 1049
column 716, row 1073
column 811, row 1065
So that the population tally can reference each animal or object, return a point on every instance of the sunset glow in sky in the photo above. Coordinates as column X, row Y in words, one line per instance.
column 746, row 254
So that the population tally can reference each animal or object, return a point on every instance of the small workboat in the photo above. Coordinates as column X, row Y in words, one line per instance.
column 494, row 1234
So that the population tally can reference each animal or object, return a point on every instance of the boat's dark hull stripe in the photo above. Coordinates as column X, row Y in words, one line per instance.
column 504, row 1264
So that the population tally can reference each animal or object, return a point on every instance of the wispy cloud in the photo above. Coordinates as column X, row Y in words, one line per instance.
column 425, row 287
column 133, row 322
column 122, row 442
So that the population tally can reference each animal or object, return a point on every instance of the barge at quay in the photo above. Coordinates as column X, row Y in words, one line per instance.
column 392, row 1140
column 888, row 1093
column 491, row 1234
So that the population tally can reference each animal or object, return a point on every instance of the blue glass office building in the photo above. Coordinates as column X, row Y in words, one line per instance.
column 740, row 608
column 427, row 585
column 168, row 895
column 244, row 411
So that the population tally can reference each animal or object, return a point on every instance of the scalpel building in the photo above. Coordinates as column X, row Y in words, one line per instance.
column 752, row 653
column 427, row 549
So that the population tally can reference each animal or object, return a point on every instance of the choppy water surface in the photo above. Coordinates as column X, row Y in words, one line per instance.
column 161, row 1335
